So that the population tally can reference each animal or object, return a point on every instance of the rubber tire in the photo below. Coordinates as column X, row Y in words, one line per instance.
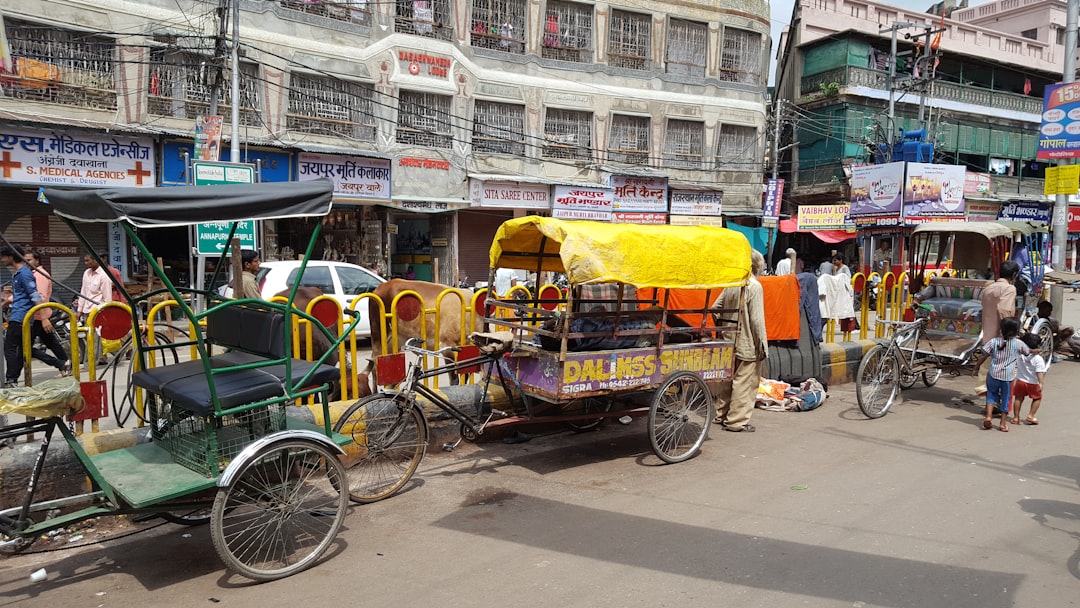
column 375, row 476
column 877, row 367
column 930, row 377
column 267, row 501
column 1046, row 340
column 587, row 405
column 680, row 417
column 908, row 381
column 199, row 517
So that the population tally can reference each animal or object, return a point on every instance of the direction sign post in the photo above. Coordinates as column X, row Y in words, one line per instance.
column 211, row 237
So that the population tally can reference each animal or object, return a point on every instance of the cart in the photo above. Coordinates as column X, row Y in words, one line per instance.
column 223, row 448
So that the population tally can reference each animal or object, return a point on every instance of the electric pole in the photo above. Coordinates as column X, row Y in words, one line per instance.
column 1060, row 222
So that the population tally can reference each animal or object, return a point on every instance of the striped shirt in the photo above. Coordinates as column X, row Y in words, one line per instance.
column 1003, row 356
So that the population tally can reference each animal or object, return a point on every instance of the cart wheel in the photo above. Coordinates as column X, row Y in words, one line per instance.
column 878, row 382
column 1046, row 339
column 282, row 510
column 388, row 444
column 588, row 405
column 193, row 517
column 680, row 417
column 930, row 377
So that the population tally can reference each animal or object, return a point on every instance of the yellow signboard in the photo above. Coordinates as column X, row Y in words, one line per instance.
column 1062, row 180
column 824, row 217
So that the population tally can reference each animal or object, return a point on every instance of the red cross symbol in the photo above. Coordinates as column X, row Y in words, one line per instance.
column 7, row 164
column 138, row 172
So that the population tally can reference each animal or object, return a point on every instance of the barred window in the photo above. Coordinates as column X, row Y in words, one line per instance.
column 568, row 134
column 686, row 48
column 630, row 40
column 629, row 141
column 428, row 18
column 60, row 66
column 180, row 86
column 499, row 25
column 736, row 147
column 424, row 119
column 499, row 127
column 330, row 106
column 351, row 11
column 740, row 56
column 568, row 32
column 684, row 144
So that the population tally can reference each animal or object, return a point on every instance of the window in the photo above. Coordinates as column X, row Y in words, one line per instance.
column 352, row 11
column 424, row 119
column 180, row 87
column 428, row 18
column 355, row 281
column 630, row 40
column 686, row 48
column 740, row 56
column 1032, row 34
column 330, row 106
column 684, row 144
column 568, row 32
column 314, row 276
column 568, row 134
column 737, row 147
column 629, row 141
column 499, row 128
column 59, row 66
column 498, row 24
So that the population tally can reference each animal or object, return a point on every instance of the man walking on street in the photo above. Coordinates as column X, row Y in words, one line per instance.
column 96, row 290
column 735, row 401
column 24, row 296
column 43, row 328
column 998, row 302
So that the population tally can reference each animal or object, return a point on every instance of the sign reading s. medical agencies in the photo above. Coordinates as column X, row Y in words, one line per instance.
column 1059, row 134
column 52, row 158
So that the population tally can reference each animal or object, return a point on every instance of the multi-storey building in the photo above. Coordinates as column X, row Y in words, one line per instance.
column 437, row 119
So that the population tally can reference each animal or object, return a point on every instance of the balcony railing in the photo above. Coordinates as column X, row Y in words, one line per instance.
column 875, row 79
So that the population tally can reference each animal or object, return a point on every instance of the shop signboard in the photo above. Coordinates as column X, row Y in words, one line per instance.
column 933, row 192
column 355, row 177
column 49, row 158
column 624, row 217
column 582, row 203
column 1059, row 133
column 774, row 196
column 1024, row 211
column 825, row 217
column 639, row 194
column 1074, row 219
column 509, row 195
column 272, row 165
column 877, row 194
column 976, row 184
column 690, row 202
column 981, row 211
column 696, row 220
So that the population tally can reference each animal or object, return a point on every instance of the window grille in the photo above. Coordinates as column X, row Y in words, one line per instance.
column 60, row 66
column 737, row 147
column 684, row 144
column 499, row 25
column 328, row 106
column 424, row 119
column 349, row 11
column 568, row 134
column 629, row 141
column 740, row 56
column 568, row 32
column 499, row 128
column 686, row 48
column 181, row 82
column 428, row 18
column 629, row 40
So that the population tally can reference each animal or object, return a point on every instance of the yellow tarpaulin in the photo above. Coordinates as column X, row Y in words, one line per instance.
column 689, row 257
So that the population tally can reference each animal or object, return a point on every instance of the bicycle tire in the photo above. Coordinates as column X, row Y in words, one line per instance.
column 389, row 441
column 123, row 394
column 587, row 405
column 679, row 417
column 878, row 370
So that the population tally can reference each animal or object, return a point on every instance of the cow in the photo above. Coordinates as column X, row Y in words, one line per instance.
column 408, row 324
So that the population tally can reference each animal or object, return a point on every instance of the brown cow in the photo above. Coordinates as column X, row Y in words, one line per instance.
column 449, row 316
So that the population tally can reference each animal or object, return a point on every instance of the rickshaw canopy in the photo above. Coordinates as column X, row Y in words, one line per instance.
column 978, row 246
column 183, row 205
column 686, row 257
column 990, row 230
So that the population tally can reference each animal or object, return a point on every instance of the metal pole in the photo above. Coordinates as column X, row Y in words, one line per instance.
column 892, row 91
column 234, row 146
column 1060, row 222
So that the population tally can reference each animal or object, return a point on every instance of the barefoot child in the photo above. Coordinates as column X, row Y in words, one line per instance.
column 1030, row 371
column 1004, row 350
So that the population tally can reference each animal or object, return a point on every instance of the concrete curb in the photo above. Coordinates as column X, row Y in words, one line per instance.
column 840, row 361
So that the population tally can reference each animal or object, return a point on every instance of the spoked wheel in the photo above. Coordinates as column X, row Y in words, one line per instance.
column 588, row 405
column 281, row 511
column 908, row 380
column 388, row 444
column 931, row 376
column 878, row 382
column 680, row 417
column 1046, row 340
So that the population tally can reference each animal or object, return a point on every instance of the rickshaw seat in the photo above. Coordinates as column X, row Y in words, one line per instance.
column 233, row 389
column 323, row 373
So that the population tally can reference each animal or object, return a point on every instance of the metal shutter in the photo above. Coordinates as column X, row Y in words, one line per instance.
column 476, row 229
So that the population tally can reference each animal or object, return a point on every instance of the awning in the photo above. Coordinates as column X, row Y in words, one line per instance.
column 827, row 236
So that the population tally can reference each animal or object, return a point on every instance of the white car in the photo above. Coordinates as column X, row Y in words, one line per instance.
column 342, row 281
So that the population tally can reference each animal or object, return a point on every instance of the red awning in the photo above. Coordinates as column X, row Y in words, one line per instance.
column 828, row 236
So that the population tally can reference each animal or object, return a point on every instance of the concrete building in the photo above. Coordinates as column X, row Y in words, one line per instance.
column 437, row 119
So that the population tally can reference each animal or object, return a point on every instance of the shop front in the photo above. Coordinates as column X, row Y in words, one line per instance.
column 493, row 202
column 420, row 218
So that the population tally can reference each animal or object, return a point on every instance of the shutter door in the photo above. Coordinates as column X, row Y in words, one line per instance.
column 476, row 229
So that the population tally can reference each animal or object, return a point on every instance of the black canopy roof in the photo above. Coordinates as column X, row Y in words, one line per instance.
column 182, row 205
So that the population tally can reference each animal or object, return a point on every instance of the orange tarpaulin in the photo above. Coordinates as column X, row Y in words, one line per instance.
column 680, row 299
column 781, row 307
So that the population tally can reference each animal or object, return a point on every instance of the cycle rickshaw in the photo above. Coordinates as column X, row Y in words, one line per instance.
column 634, row 335
column 223, row 449
column 947, row 331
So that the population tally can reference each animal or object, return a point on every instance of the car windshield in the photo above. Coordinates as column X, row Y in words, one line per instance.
column 314, row 276
column 355, row 281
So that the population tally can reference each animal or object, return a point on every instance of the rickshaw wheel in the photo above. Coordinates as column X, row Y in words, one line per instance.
column 281, row 511
column 194, row 517
column 908, row 380
column 878, row 382
column 680, row 417
column 588, row 405
column 1046, row 339
column 930, row 377
column 388, row 444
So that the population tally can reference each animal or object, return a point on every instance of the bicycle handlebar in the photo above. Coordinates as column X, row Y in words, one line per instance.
column 415, row 345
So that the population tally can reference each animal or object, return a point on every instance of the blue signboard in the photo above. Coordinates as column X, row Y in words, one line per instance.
column 1017, row 211
column 1059, row 133
column 774, row 194
column 276, row 165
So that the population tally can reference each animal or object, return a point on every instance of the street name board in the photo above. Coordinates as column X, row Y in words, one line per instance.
column 211, row 237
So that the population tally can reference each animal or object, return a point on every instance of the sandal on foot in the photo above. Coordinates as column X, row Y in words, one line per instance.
column 1031, row 421
column 747, row 428
column 1015, row 421
column 988, row 424
column 1004, row 428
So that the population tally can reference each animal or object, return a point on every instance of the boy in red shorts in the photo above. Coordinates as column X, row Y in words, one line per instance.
column 1030, row 371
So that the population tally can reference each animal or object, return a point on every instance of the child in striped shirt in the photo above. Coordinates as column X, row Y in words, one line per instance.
column 1004, row 351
